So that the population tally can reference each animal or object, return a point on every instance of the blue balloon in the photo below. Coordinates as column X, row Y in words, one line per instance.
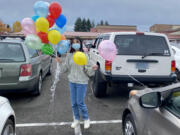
column 41, row 8
column 35, row 17
column 63, row 46
column 61, row 21
column 61, row 30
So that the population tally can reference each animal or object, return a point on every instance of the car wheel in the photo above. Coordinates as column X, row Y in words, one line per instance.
column 178, row 75
column 8, row 128
column 38, row 86
column 99, row 86
column 129, row 125
column 50, row 69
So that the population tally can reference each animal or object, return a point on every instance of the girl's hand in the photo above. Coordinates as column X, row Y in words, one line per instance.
column 95, row 67
column 58, row 60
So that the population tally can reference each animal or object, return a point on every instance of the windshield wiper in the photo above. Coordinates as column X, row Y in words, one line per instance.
column 153, row 54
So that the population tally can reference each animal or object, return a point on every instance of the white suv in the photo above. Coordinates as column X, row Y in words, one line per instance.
column 142, row 57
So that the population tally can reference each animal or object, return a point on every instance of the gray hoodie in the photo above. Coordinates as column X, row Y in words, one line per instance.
column 77, row 74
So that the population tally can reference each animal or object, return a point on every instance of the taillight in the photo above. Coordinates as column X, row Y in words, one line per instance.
column 173, row 66
column 26, row 70
column 108, row 65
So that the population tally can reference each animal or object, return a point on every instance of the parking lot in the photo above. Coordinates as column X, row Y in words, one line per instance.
column 37, row 115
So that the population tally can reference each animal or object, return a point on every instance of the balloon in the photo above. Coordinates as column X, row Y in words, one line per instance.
column 44, row 37
column 28, row 26
column 50, row 20
column 47, row 49
column 63, row 47
column 63, row 37
column 61, row 21
column 62, row 30
column 41, row 8
column 35, row 17
column 80, row 58
column 55, row 9
column 42, row 25
column 33, row 42
column 54, row 37
column 107, row 49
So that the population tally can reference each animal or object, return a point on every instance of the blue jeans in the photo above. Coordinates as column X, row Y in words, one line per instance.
column 78, row 93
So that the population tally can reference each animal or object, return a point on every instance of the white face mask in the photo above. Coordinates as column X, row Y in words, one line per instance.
column 76, row 46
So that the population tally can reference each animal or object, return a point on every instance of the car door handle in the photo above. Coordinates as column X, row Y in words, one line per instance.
column 97, row 52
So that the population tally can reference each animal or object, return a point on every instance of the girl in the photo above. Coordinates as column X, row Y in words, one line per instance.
column 78, row 81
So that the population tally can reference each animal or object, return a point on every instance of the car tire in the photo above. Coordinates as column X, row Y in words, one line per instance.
column 38, row 86
column 129, row 127
column 8, row 128
column 99, row 86
column 178, row 75
column 50, row 69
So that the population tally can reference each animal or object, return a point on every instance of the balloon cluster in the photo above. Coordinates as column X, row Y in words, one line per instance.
column 46, row 28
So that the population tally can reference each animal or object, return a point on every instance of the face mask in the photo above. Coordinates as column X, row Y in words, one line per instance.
column 76, row 46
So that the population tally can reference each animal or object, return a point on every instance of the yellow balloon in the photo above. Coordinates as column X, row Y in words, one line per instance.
column 42, row 25
column 54, row 37
column 80, row 58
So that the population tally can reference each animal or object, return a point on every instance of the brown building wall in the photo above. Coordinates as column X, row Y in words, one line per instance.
column 163, row 28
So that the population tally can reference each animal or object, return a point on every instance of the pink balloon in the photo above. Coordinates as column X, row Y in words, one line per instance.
column 28, row 26
column 107, row 49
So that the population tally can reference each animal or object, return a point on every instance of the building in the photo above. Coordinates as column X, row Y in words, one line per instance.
column 172, row 31
column 114, row 28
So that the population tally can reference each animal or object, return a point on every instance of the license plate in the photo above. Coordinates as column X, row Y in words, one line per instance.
column 142, row 65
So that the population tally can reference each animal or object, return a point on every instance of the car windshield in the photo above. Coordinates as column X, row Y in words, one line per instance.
column 173, row 103
column 141, row 45
column 11, row 52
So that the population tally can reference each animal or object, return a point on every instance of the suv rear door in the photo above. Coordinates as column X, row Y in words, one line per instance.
column 11, row 58
column 142, row 55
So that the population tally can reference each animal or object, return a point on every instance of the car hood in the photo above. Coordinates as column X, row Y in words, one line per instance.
column 3, row 100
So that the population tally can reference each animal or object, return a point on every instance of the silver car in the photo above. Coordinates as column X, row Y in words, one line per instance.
column 153, row 112
column 22, row 69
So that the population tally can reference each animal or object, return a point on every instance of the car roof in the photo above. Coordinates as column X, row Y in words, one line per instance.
column 12, row 40
column 132, row 33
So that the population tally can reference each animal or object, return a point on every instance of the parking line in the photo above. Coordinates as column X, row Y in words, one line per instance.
column 65, row 123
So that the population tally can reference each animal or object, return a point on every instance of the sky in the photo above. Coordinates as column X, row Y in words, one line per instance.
column 143, row 13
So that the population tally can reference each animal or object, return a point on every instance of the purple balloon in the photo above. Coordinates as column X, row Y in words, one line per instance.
column 28, row 26
column 107, row 49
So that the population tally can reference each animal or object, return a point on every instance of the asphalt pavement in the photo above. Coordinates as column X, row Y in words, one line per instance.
column 39, row 116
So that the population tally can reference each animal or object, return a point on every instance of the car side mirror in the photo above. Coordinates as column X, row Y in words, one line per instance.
column 151, row 100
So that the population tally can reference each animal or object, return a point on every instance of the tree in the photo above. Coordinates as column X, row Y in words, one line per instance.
column 102, row 22
column 78, row 24
column 17, row 27
column 92, row 24
column 84, row 25
column 88, row 24
column 106, row 23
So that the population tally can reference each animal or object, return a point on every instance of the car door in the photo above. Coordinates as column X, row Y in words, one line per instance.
column 45, row 63
column 165, row 120
column 35, row 61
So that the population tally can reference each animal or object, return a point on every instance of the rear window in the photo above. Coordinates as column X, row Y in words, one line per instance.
column 11, row 52
column 141, row 45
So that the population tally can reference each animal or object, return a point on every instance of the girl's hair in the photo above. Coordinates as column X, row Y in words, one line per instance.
column 79, row 41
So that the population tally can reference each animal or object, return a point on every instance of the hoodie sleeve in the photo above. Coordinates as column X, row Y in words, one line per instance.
column 65, row 65
column 88, row 68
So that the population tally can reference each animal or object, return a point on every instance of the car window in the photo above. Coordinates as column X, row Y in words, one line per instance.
column 173, row 103
column 141, row 44
column 32, row 53
column 11, row 52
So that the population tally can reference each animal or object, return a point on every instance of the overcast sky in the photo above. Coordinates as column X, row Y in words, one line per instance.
column 142, row 13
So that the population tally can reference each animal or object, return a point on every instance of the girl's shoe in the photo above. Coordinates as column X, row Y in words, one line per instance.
column 75, row 123
column 86, row 124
